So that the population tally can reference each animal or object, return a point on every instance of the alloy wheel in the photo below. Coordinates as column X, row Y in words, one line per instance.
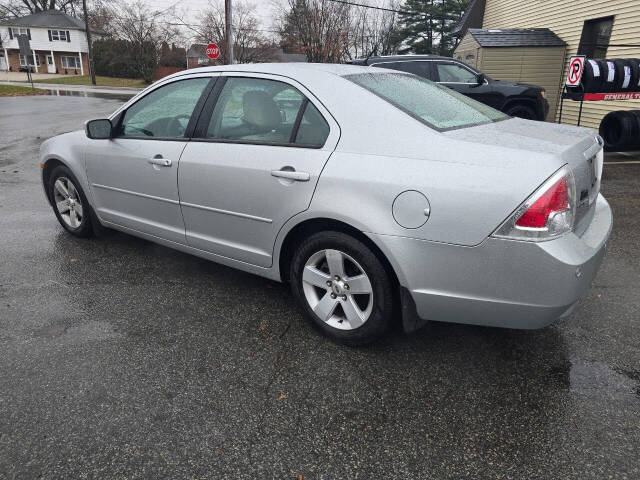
column 68, row 202
column 337, row 289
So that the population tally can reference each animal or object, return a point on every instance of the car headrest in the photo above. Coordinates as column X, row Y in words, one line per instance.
column 260, row 110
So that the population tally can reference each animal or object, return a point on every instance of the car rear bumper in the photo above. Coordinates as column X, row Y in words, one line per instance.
column 500, row 283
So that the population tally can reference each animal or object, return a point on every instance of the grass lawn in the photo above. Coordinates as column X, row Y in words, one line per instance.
column 13, row 91
column 100, row 81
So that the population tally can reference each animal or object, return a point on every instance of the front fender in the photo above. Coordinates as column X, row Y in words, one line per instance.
column 69, row 150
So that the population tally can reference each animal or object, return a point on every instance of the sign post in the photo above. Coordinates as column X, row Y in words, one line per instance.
column 213, row 51
column 25, row 50
column 576, row 68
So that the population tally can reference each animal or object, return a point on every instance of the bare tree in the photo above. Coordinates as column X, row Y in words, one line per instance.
column 373, row 31
column 145, row 29
column 318, row 28
column 251, row 45
column 19, row 8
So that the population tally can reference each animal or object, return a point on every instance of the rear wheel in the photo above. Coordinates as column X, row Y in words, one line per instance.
column 69, row 202
column 343, row 287
column 521, row 111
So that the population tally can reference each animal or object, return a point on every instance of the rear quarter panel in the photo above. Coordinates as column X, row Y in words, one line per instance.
column 468, row 200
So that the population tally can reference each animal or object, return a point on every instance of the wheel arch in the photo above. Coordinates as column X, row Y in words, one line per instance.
column 307, row 227
column 48, row 166
column 521, row 101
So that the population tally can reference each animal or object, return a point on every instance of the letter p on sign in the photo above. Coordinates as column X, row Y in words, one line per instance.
column 576, row 67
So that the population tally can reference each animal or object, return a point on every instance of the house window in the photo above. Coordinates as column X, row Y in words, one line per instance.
column 70, row 62
column 595, row 37
column 59, row 35
column 14, row 32
column 28, row 60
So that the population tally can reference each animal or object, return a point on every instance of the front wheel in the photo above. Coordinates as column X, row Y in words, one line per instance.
column 343, row 287
column 69, row 202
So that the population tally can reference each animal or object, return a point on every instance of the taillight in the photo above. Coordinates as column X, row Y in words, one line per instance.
column 546, row 214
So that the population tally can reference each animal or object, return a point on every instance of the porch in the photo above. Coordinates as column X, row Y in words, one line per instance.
column 44, row 62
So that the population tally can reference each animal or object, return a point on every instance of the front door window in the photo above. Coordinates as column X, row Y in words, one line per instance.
column 165, row 112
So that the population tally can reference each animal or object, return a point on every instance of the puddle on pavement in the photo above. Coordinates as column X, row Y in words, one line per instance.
column 86, row 94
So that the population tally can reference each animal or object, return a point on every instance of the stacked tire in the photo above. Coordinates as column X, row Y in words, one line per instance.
column 610, row 76
column 621, row 131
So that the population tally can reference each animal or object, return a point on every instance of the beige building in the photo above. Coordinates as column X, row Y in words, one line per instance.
column 595, row 28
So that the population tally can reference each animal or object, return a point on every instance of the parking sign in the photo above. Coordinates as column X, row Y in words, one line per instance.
column 576, row 67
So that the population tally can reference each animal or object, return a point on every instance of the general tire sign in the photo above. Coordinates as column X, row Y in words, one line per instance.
column 576, row 68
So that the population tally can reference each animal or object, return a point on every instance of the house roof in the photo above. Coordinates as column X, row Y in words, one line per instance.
column 281, row 56
column 47, row 18
column 471, row 18
column 197, row 50
column 516, row 37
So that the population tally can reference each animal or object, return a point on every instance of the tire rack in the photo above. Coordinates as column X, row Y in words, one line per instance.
column 593, row 97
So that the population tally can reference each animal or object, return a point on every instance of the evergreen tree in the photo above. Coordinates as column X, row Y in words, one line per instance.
column 427, row 25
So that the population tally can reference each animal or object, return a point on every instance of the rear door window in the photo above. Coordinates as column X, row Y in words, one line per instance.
column 259, row 110
column 453, row 73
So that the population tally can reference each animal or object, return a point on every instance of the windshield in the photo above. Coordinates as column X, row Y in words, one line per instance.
column 439, row 107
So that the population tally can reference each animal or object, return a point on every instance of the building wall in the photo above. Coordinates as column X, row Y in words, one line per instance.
column 566, row 19
column 534, row 65
column 466, row 48
column 40, row 40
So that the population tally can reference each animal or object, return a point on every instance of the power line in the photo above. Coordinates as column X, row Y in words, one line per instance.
column 404, row 12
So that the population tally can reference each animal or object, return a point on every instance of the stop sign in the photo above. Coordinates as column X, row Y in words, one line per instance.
column 213, row 51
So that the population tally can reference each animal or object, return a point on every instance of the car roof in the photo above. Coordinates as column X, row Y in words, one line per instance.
column 282, row 68
column 401, row 58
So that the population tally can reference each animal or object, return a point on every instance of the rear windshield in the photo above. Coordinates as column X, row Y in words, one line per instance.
column 438, row 107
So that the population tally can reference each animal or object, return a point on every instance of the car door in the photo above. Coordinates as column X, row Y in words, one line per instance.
column 463, row 80
column 134, row 175
column 253, row 163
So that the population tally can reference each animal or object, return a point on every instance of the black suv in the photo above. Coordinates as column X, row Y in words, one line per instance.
column 515, row 99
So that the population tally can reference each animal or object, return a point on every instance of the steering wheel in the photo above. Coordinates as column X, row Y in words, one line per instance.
column 176, row 128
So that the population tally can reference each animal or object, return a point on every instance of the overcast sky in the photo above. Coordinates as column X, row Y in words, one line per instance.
column 265, row 9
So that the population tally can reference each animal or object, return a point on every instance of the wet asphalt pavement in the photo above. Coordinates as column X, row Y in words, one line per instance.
column 123, row 359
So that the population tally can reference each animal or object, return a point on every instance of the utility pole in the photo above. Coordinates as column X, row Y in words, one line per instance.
column 229, row 30
column 89, row 49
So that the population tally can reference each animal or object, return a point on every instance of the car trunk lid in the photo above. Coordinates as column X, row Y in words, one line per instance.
column 578, row 147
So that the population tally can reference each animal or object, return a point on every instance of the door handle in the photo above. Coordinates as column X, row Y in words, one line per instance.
column 291, row 174
column 161, row 162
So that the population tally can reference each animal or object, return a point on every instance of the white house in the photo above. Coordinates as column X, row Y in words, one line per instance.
column 58, row 43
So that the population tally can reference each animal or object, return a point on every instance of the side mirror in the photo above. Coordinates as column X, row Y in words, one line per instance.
column 481, row 78
column 100, row 129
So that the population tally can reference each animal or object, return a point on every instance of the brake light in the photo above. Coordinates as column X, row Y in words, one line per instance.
column 546, row 214
column 556, row 199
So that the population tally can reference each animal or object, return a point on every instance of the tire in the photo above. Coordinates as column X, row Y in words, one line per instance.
column 591, row 82
column 621, row 131
column 634, row 86
column 72, row 209
column 522, row 111
column 352, row 319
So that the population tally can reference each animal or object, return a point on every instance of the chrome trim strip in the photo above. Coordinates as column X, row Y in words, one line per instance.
column 227, row 212
column 136, row 194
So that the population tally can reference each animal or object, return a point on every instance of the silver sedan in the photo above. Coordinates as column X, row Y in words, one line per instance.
column 379, row 196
